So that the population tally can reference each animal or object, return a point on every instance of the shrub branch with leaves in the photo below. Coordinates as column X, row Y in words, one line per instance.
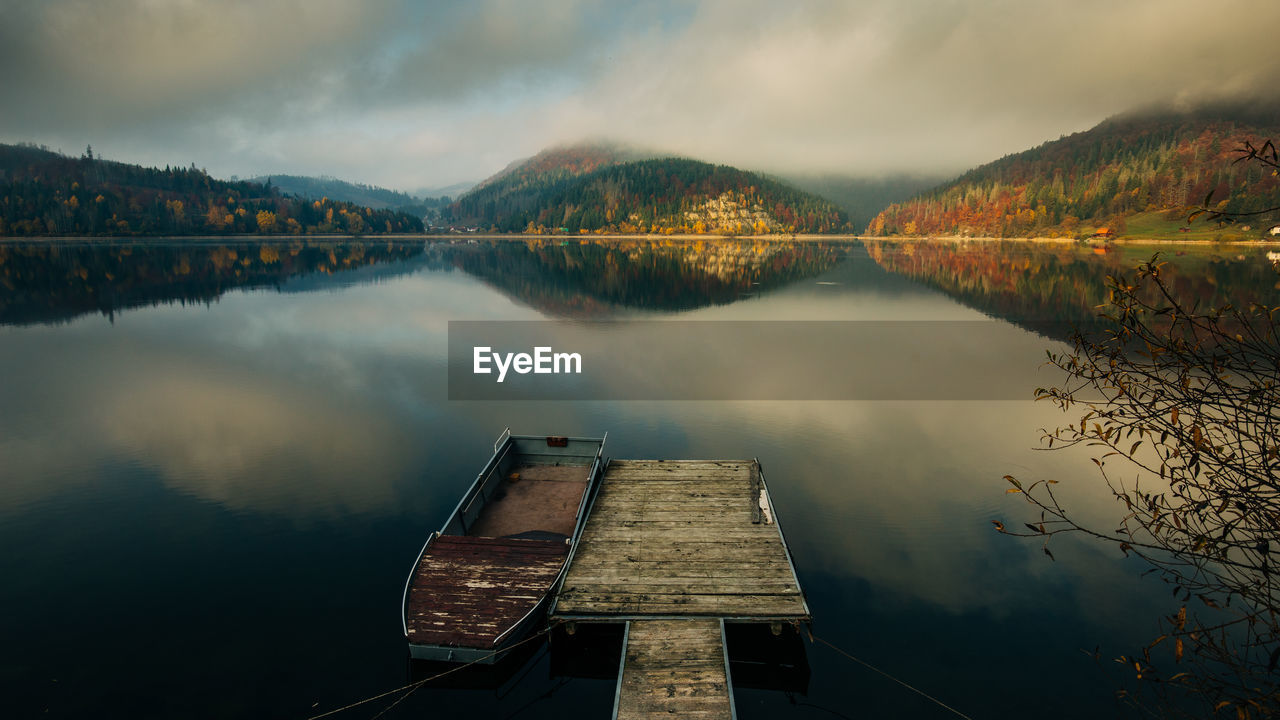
column 1265, row 155
column 1182, row 407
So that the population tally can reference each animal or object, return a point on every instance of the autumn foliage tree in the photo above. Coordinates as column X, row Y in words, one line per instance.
column 1151, row 162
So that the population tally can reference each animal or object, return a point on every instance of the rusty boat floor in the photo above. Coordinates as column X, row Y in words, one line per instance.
column 534, row 498
column 468, row 591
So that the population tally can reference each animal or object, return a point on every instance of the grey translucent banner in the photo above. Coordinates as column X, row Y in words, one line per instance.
column 747, row 360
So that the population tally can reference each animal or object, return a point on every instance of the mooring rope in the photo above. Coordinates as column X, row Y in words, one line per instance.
column 906, row 685
column 419, row 683
column 411, row 687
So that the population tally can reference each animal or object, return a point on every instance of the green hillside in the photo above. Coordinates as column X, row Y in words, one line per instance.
column 1137, row 175
column 47, row 193
column 587, row 190
column 370, row 196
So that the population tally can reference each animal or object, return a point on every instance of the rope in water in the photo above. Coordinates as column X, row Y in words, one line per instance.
column 908, row 686
column 411, row 687
column 417, row 684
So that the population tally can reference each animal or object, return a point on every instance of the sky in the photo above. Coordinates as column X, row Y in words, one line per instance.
column 413, row 95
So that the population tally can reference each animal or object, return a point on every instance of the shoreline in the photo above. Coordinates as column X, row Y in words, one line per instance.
column 706, row 237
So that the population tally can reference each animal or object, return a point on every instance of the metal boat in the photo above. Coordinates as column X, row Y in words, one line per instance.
column 483, row 581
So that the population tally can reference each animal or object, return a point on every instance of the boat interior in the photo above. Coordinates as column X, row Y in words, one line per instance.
column 538, row 502
column 532, row 489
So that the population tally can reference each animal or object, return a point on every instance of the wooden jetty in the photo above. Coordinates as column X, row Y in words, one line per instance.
column 675, row 549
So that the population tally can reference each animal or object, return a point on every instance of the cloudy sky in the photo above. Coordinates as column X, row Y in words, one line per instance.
column 425, row 94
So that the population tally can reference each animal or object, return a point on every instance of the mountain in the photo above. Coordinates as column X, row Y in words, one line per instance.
column 590, row 188
column 524, row 182
column 863, row 198
column 47, row 193
column 1137, row 174
column 441, row 191
column 316, row 188
column 558, row 163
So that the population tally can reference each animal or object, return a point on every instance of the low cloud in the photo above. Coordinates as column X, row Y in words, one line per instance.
column 406, row 94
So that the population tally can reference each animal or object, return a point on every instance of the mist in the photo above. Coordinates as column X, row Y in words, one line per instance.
column 412, row 95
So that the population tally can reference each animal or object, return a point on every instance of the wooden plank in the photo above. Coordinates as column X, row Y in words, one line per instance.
column 780, row 607
column 600, row 560
column 721, row 484
column 616, row 575
column 671, row 481
column 726, row 534
column 628, row 464
column 728, row 518
column 682, row 586
column 675, row 499
column 674, row 669
column 669, row 493
column 665, row 595
column 707, row 516
column 656, row 481
column 670, row 548
column 673, row 496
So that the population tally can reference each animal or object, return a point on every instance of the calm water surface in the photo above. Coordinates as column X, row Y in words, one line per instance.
column 217, row 463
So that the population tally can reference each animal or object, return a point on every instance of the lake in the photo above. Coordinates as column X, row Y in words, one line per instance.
column 219, row 461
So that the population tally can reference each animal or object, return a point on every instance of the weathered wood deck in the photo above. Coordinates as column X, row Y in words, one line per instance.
column 675, row 549
column 674, row 668
column 681, row 538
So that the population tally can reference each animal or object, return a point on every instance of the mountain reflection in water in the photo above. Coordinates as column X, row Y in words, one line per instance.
column 51, row 282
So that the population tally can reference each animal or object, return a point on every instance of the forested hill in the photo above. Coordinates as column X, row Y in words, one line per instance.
column 371, row 196
column 1136, row 174
column 661, row 195
column 47, row 193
